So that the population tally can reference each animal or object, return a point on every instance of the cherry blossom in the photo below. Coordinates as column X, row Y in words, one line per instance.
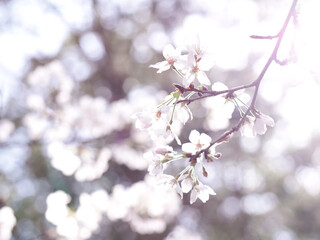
column 197, row 48
column 260, row 123
column 156, row 165
column 256, row 125
column 173, row 59
column 170, row 182
column 219, row 109
column 196, row 69
column 197, row 142
column 202, row 192
column 183, row 113
column 157, row 123
column 247, row 127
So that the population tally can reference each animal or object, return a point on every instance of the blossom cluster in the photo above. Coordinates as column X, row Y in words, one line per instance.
column 145, row 213
column 167, row 119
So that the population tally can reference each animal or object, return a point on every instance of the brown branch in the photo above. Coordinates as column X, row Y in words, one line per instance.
column 255, row 83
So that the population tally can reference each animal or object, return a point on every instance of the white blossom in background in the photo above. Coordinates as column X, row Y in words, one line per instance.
column 6, row 128
column 36, row 124
column 120, row 112
column 87, row 215
column 86, row 163
column 81, row 223
column 143, row 119
column 39, row 77
column 35, row 102
column 128, row 156
column 52, row 76
column 57, row 209
column 93, row 167
column 7, row 223
column 150, row 213
column 90, row 117
column 146, row 213
column 173, row 59
column 118, row 204
column 181, row 232
column 63, row 157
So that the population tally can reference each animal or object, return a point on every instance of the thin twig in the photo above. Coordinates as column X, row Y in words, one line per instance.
column 264, row 37
column 255, row 84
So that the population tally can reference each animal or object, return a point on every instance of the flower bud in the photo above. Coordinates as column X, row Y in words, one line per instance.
column 217, row 155
column 180, row 88
column 191, row 86
column 162, row 150
column 204, row 172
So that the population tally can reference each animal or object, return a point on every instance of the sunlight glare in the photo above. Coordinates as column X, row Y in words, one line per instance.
column 308, row 35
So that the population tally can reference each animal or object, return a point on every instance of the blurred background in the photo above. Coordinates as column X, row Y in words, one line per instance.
column 72, row 76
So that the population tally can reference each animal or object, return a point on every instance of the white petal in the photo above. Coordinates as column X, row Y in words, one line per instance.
column 162, row 66
column 175, row 136
column 247, row 128
column 168, row 51
column 260, row 126
column 188, row 148
column 182, row 114
column 218, row 86
column 155, row 168
column 194, row 136
column 180, row 63
column 267, row 120
column 206, row 64
column 187, row 184
column 210, row 190
column 189, row 78
column 205, row 139
column 203, row 197
column 164, row 178
column 179, row 190
column 202, row 78
column 193, row 195
column 176, row 53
